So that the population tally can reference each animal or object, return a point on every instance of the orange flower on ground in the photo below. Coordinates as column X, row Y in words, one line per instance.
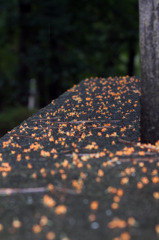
column 94, row 205
column 124, row 180
column 117, row 223
column 125, row 236
column 44, row 153
column 114, row 205
column 131, row 221
column 19, row 157
column 92, row 217
column 139, row 185
column 37, row 228
column 100, row 173
column 48, row 201
column 157, row 228
column 61, row 209
column 50, row 236
column 16, row 223
column 1, row 227
column 43, row 221
column 120, row 192
column 156, row 195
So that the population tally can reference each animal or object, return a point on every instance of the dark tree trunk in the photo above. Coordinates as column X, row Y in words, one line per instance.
column 41, row 84
column 149, row 56
column 55, row 65
column 24, row 35
column 131, row 52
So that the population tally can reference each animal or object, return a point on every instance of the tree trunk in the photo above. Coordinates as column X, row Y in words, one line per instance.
column 55, row 65
column 149, row 57
column 131, row 52
column 24, row 36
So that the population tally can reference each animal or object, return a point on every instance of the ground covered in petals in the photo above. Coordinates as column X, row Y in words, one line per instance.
column 77, row 170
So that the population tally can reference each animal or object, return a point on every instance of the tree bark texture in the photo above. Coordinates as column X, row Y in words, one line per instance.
column 149, row 58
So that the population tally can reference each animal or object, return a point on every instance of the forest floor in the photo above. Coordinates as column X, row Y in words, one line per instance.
column 77, row 170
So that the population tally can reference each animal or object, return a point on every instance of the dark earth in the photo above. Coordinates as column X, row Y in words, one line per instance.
column 76, row 169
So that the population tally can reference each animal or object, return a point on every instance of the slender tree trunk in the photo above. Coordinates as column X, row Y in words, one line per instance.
column 55, row 65
column 149, row 57
column 24, row 35
column 131, row 52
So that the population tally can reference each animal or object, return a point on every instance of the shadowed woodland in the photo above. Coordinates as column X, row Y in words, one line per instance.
column 59, row 43
column 85, row 166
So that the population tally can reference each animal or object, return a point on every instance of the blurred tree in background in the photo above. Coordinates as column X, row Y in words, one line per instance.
column 59, row 43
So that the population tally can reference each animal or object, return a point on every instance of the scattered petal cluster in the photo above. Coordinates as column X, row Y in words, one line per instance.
column 77, row 167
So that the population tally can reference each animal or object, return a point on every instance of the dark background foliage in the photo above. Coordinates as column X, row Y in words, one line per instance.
column 59, row 43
